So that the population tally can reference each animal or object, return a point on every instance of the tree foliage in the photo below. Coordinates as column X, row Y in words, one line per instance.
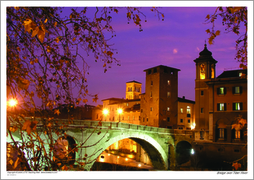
column 235, row 20
column 47, row 50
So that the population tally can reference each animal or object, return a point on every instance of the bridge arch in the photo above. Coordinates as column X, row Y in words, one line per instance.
column 183, row 152
column 157, row 154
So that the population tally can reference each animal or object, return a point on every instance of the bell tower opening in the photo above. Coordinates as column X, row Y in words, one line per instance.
column 133, row 90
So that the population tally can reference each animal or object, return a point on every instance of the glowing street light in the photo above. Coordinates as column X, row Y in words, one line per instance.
column 12, row 102
column 192, row 151
column 105, row 112
column 193, row 126
column 120, row 111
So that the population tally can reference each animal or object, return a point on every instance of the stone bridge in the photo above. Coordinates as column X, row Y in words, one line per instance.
column 94, row 137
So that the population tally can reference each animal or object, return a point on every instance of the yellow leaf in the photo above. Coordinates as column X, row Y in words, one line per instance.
column 27, row 24
column 35, row 32
column 57, row 40
column 217, row 33
column 16, row 163
column 57, row 111
column 55, row 24
column 73, row 39
column 46, row 20
column 207, row 31
column 41, row 35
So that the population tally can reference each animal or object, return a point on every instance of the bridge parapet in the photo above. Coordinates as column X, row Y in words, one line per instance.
column 109, row 125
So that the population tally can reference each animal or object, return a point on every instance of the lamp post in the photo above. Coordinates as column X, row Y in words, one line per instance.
column 120, row 111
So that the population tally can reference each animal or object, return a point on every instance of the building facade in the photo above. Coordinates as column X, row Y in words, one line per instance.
column 219, row 102
column 220, row 115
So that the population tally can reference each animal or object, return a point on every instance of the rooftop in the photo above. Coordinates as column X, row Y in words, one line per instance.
column 232, row 73
column 162, row 66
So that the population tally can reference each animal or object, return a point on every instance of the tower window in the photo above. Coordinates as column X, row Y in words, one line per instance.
column 151, row 94
column 181, row 110
column 168, row 119
column 155, row 70
column 202, row 110
column 168, row 94
column 188, row 110
column 202, row 71
column 168, row 108
column 149, row 71
column 202, row 93
column 188, row 120
column 151, row 83
column 212, row 72
column 151, row 109
column 168, row 82
column 181, row 120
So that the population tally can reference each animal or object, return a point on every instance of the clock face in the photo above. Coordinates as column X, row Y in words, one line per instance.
column 202, row 71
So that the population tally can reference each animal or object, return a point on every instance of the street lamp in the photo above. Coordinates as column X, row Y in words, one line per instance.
column 12, row 102
column 120, row 111
column 105, row 113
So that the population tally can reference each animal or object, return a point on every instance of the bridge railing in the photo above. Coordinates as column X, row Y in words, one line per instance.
column 116, row 125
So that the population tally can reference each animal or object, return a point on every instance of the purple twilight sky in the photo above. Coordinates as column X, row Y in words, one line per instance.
column 174, row 42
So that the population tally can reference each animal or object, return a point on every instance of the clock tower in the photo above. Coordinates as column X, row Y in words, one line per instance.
column 205, row 71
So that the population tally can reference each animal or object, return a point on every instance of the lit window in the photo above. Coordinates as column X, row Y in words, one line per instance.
column 168, row 94
column 221, row 107
column 240, row 74
column 237, row 134
column 188, row 110
column 168, row 82
column 237, row 90
column 168, row 108
column 181, row 110
column 221, row 90
column 212, row 72
column 221, row 133
column 237, row 106
column 202, row 71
